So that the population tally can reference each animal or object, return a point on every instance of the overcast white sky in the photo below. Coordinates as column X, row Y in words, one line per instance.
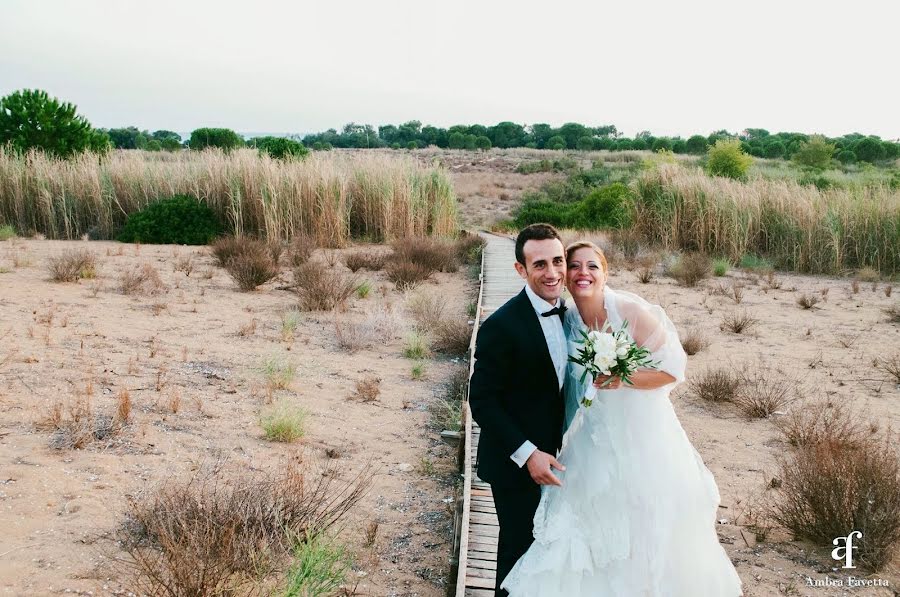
column 666, row 66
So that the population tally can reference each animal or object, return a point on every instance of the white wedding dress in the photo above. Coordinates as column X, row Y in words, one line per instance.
column 636, row 514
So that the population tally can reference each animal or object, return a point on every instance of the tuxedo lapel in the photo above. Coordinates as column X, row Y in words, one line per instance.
column 535, row 334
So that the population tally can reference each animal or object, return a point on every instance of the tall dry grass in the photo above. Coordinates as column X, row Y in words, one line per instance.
column 332, row 196
column 798, row 227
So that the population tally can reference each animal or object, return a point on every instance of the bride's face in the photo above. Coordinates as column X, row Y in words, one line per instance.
column 585, row 276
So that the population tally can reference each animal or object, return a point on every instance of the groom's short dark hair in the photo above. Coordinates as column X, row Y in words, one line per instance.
column 533, row 232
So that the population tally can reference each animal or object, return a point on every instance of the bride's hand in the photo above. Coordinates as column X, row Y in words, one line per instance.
column 615, row 382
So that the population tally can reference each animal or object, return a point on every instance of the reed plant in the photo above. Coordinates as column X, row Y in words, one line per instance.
column 331, row 197
column 798, row 228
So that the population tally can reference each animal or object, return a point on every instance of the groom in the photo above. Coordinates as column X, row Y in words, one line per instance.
column 515, row 392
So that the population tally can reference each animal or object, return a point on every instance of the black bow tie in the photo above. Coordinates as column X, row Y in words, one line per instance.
column 560, row 310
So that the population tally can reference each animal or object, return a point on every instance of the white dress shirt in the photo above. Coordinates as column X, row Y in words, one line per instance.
column 556, row 344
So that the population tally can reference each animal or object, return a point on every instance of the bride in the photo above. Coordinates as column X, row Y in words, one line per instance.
column 635, row 515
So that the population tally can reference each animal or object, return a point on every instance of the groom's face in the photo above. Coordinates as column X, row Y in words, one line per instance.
column 545, row 268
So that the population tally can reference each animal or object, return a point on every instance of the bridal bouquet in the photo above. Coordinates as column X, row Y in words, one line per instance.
column 610, row 353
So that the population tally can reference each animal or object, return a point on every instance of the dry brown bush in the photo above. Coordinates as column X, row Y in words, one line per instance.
column 75, row 425
column 215, row 534
column 827, row 489
column 807, row 301
column 716, row 385
column 427, row 309
column 469, row 247
column 452, row 336
column 691, row 268
column 889, row 365
column 645, row 275
column 322, row 289
column 71, row 267
column 868, row 274
column 824, row 422
column 252, row 267
column 369, row 260
column 406, row 275
column 224, row 248
column 434, row 254
column 738, row 322
column 368, row 388
column 301, row 249
column 693, row 341
column 893, row 314
column 764, row 391
column 141, row 279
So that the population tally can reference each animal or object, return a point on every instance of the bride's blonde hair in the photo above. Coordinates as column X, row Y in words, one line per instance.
column 586, row 244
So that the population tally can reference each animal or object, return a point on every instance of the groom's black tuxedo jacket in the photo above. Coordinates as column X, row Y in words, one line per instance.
column 514, row 393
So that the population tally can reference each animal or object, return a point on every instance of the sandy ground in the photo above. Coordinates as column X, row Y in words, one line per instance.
column 194, row 379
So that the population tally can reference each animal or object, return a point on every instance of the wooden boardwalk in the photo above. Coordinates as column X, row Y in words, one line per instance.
column 478, row 530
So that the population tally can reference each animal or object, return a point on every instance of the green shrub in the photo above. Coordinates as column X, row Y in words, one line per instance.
column 482, row 143
column 179, row 220
column 225, row 139
column 320, row 567
column 720, row 267
column 846, row 156
column 283, row 422
column 869, row 150
column 607, row 207
column 556, row 142
column 415, row 145
column 7, row 232
column 584, row 144
column 280, row 147
column 774, row 149
column 726, row 158
column 815, row 153
column 754, row 262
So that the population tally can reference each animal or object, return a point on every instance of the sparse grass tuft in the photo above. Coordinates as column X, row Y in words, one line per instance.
column 893, row 313
column 74, row 266
column 763, row 392
column 7, row 232
column 823, row 422
column 418, row 370
column 433, row 254
column 320, row 567
column 720, row 267
column 278, row 372
column 715, row 385
column 807, row 301
column 283, row 422
column 322, row 289
column 141, row 279
column 417, row 346
column 693, row 342
column 452, row 336
column 290, row 320
column 738, row 322
column 889, row 365
column 690, row 269
column 868, row 274
column 301, row 249
column 364, row 288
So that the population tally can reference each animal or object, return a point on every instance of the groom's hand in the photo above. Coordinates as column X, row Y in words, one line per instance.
column 539, row 464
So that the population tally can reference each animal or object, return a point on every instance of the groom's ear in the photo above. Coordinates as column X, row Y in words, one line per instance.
column 520, row 269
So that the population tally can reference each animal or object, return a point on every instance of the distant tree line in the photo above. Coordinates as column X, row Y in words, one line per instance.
column 30, row 118
column 755, row 142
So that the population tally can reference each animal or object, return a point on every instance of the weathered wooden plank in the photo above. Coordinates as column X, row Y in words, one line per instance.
column 475, row 562
column 478, row 582
column 482, row 518
column 473, row 572
column 472, row 592
column 489, row 556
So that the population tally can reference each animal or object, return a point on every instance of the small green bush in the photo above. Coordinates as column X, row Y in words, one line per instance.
column 7, row 232
column 556, row 142
column 815, row 153
column 720, row 267
column 606, row 207
column 283, row 422
column 726, row 158
column 179, row 220
column 754, row 262
column 225, row 139
column 321, row 566
column 280, row 147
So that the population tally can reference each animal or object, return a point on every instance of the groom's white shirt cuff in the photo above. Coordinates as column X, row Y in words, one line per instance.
column 521, row 456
